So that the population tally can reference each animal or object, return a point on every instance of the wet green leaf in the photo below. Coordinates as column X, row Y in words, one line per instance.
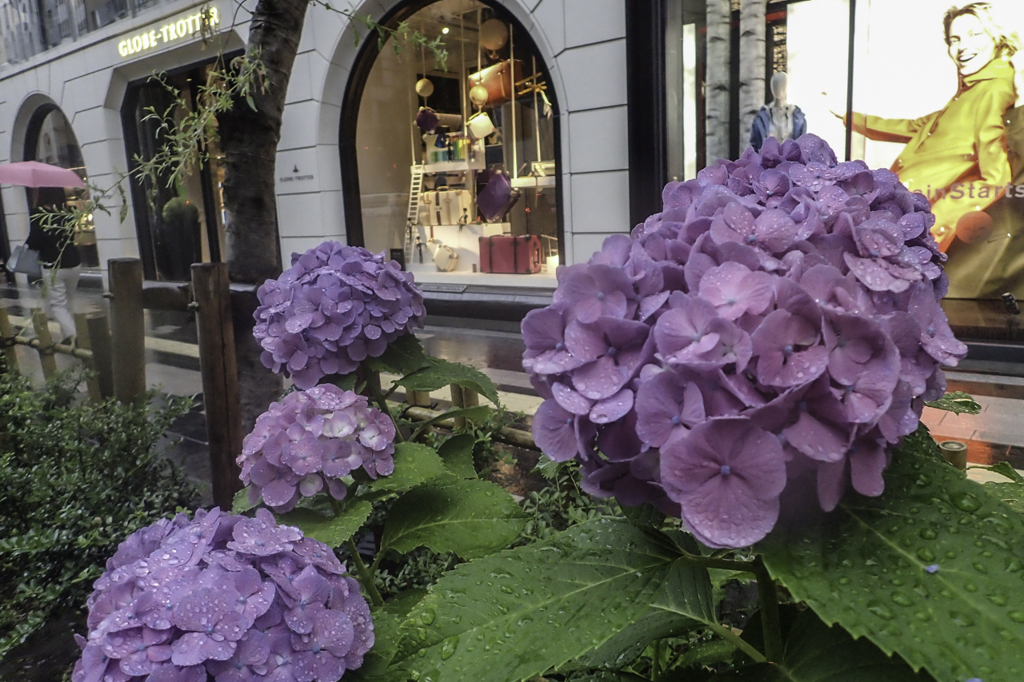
column 414, row 464
column 441, row 373
column 1003, row 469
column 240, row 503
column 457, row 453
column 469, row 518
column 403, row 356
column 332, row 531
column 515, row 614
column 931, row 570
column 817, row 653
column 957, row 402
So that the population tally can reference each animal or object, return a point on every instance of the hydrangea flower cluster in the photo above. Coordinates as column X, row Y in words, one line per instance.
column 225, row 596
column 773, row 332
column 312, row 440
column 336, row 306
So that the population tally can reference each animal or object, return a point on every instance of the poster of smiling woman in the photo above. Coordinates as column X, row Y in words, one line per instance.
column 937, row 91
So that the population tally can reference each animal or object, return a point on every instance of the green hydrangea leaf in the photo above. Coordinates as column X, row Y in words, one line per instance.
column 957, row 402
column 332, row 531
column 441, row 373
column 1012, row 494
column 240, row 502
column 1003, row 469
column 816, row 652
column 931, row 570
column 403, row 356
column 386, row 622
column 478, row 413
column 515, row 614
column 414, row 464
column 469, row 518
column 457, row 453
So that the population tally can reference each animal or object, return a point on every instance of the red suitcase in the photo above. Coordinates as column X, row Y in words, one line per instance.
column 507, row 254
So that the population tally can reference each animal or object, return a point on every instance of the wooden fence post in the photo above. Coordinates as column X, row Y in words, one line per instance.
column 128, row 328
column 83, row 341
column 217, row 361
column 7, row 342
column 46, row 354
column 417, row 398
column 463, row 397
column 102, row 352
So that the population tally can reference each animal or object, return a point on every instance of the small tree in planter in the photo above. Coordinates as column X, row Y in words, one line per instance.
column 727, row 373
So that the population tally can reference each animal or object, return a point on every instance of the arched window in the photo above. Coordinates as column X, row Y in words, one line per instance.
column 463, row 186
column 50, row 139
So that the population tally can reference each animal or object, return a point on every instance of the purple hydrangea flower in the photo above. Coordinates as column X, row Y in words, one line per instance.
column 778, row 324
column 224, row 617
column 312, row 440
column 727, row 474
column 336, row 306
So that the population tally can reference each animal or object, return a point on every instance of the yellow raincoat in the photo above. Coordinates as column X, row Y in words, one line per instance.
column 956, row 156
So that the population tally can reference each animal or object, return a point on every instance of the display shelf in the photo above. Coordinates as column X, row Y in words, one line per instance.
column 452, row 166
column 531, row 181
column 427, row 274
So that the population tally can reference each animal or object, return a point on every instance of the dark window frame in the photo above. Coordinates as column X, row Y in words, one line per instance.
column 129, row 127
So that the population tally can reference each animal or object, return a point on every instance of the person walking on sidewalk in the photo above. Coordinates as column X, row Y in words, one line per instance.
column 52, row 236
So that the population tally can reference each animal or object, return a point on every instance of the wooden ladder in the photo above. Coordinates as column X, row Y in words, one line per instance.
column 413, row 216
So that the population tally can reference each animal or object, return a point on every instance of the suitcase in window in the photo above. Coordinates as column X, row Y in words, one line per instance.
column 507, row 254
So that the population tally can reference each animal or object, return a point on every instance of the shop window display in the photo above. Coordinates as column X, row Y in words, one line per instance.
column 50, row 139
column 457, row 162
column 953, row 128
column 179, row 223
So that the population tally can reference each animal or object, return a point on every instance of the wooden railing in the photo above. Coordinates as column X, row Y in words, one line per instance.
column 116, row 353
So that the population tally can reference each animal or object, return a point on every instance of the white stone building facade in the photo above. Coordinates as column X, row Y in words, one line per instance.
column 582, row 44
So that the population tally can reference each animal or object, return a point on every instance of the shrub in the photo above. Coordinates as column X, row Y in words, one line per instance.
column 75, row 477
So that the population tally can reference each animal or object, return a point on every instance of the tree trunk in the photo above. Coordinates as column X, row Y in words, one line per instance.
column 719, row 20
column 249, row 135
column 752, row 67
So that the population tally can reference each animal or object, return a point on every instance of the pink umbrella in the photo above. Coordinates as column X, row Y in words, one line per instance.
column 35, row 174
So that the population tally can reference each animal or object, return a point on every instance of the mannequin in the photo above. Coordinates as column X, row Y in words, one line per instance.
column 779, row 119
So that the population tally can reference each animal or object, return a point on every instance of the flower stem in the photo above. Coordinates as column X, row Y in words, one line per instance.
column 363, row 574
column 737, row 641
column 373, row 387
column 771, row 625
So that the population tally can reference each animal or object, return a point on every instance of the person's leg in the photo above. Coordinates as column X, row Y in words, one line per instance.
column 71, row 276
column 46, row 294
column 56, row 288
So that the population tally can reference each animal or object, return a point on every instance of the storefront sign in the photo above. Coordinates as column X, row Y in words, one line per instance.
column 296, row 176
column 173, row 31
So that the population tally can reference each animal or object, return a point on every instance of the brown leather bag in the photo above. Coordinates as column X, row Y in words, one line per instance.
column 499, row 80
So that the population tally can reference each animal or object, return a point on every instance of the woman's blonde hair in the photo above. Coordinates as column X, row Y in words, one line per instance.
column 1007, row 42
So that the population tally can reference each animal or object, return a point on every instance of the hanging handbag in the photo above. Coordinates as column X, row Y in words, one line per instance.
column 480, row 126
column 25, row 261
column 499, row 80
column 426, row 119
column 497, row 198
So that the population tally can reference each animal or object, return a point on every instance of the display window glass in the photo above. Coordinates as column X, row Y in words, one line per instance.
column 937, row 96
column 50, row 139
column 457, row 162
column 179, row 222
